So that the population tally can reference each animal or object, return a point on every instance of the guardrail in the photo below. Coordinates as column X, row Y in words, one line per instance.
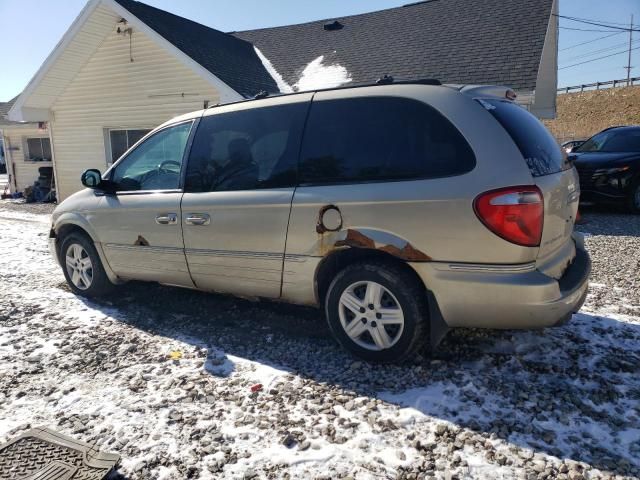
column 598, row 85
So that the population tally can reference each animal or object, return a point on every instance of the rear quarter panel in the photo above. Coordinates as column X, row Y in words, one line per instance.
column 434, row 216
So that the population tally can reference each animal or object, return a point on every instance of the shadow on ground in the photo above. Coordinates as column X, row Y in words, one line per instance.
column 572, row 392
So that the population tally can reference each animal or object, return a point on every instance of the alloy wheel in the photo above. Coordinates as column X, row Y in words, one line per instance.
column 371, row 315
column 79, row 266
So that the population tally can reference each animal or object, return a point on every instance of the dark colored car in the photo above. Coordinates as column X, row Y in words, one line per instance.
column 609, row 167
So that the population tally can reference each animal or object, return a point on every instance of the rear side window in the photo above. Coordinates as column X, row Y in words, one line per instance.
column 538, row 147
column 246, row 149
column 380, row 138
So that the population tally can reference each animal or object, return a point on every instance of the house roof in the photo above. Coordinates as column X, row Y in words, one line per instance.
column 4, row 110
column 231, row 59
column 455, row 41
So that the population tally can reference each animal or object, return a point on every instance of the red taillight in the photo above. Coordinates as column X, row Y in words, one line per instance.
column 514, row 213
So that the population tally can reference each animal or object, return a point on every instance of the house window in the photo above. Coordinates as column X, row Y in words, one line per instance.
column 39, row 149
column 121, row 140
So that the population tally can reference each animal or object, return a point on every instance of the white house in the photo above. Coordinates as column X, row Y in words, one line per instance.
column 124, row 67
column 26, row 148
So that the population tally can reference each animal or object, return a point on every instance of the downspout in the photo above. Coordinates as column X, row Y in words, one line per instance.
column 53, row 155
column 8, row 157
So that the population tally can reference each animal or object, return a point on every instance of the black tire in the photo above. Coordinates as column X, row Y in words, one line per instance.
column 633, row 202
column 410, row 295
column 100, row 284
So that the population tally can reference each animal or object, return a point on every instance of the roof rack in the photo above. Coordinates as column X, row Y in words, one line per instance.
column 382, row 81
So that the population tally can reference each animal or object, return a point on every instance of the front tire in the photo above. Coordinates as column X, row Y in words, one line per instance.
column 378, row 311
column 82, row 267
column 633, row 201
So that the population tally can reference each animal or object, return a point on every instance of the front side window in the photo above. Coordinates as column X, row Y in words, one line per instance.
column 613, row 141
column 246, row 149
column 39, row 149
column 156, row 163
column 380, row 138
column 122, row 140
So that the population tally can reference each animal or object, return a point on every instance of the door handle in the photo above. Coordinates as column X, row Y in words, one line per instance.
column 197, row 219
column 168, row 219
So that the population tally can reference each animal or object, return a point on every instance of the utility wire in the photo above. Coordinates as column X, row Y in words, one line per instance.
column 604, row 50
column 590, row 30
column 582, row 19
column 589, row 41
column 599, row 58
column 597, row 24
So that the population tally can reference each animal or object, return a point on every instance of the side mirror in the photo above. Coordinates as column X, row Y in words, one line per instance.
column 91, row 178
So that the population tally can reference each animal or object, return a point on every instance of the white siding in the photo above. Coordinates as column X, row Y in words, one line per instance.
column 24, row 171
column 110, row 91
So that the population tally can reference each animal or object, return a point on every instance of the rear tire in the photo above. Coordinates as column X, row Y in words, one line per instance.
column 82, row 267
column 378, row 311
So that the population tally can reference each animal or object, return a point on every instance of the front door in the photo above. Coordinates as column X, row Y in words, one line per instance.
column 139, row 226
column 239, row 185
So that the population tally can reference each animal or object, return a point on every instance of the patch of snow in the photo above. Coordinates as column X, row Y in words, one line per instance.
column 316, row 75
column 283, row 86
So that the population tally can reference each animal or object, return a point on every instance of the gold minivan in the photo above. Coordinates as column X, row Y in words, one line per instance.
column 402, row 210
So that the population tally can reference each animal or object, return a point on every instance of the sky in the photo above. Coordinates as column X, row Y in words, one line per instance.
column 30, row 29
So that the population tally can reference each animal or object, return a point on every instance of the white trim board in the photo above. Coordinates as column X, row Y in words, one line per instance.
column 19, row 112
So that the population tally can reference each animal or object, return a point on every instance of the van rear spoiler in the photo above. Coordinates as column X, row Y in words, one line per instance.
column 486, row 91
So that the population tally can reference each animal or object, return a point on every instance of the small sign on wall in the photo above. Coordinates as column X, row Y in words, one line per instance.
column 43, row 127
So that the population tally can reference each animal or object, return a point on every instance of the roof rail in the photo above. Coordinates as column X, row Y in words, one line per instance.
column 385, row 80
column 260, row 94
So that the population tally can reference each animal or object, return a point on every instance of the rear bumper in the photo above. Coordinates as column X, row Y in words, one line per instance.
column 506, row 297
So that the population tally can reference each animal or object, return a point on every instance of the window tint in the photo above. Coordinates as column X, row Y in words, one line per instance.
column 613, row 141
column 538, row 147
column 247, row 149
column 380, row 138
column 156, row 163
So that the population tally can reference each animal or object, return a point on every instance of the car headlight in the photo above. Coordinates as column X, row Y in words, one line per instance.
column 609, row 171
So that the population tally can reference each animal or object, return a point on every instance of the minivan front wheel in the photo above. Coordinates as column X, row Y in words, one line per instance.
column 82, row 267
column 378, row 311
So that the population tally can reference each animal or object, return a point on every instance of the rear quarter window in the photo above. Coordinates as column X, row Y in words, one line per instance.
column 371, row 139
column 538, row 147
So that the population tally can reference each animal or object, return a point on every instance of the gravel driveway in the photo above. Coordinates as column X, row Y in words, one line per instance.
column 188, row 385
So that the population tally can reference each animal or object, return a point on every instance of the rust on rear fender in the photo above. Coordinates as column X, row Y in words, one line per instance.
column 371, row 239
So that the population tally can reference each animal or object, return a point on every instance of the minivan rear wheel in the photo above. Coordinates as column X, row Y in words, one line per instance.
column 82, row 267
column 378, row 311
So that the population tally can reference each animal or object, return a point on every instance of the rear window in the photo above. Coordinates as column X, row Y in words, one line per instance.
column 371, row 139
column 538, row 147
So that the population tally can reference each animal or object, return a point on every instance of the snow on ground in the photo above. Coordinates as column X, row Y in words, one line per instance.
column 164, row 377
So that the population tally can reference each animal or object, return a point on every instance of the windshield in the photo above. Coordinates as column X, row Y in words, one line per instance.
column 613, row 141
